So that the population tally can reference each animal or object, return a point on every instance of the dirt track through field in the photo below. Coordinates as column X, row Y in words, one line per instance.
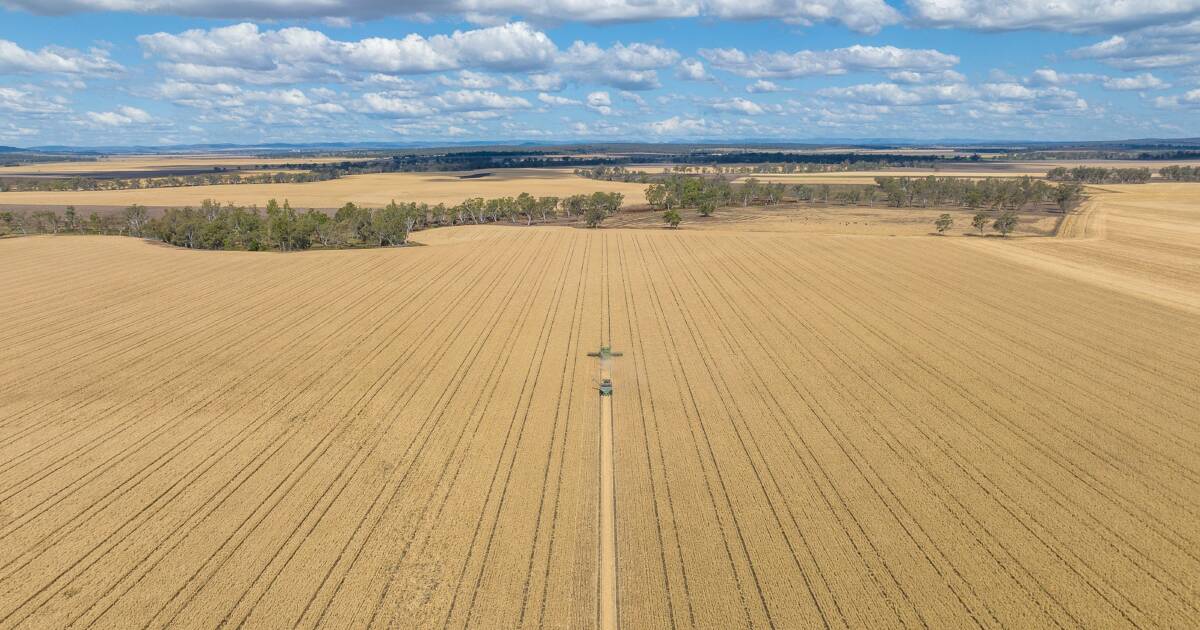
column 608, row 517
column 806, row 430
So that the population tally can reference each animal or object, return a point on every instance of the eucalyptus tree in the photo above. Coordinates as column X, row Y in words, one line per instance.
column 943, row 223
column 980, row 221
column 136, row 218
column 547, row 207
column 526, row 206
column 1005, row 223
column 1067, row 195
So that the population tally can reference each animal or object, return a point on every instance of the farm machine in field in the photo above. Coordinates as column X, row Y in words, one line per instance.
column 604, row 354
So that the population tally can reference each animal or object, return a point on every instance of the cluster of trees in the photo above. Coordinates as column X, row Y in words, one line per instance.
column 678, row 191
column 1004, row 222
column 617, row 174
column 1181, row 173
column 283, row 228
column 1099, row 175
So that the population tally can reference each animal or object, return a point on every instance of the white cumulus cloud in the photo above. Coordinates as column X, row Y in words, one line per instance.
column 243, row 51
column 124, row 115
column 1187, row 99
column 551, row 99
column 866, row 16
column 1161, row 46
column 763, row 86
column 1061, row 15
column 738, row 105
column 54, row 60
column 1144, row 81
column 693, row 70
column 784, row 65
column 627, row 67
column 679, row 126
column 600, row 102
column 403, row 105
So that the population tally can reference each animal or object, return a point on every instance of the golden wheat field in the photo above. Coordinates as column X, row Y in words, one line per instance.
column 807, row 430
column 370, row 190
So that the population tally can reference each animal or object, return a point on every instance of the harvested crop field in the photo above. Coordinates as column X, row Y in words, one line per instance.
column 371, row 190
column 807, row 430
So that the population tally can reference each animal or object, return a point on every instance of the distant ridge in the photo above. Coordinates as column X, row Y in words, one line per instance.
column 702, row 144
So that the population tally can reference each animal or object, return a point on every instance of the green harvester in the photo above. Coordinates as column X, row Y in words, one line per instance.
column 605, row 353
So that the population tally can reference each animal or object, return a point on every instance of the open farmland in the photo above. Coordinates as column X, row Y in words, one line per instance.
column 155, row 163
column 808, row 430
column 971, row 171
column 371, row 190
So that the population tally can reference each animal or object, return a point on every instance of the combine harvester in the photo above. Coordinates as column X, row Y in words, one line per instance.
column 605, row 354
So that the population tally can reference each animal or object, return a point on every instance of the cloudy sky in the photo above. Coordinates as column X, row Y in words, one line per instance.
column 117, row 72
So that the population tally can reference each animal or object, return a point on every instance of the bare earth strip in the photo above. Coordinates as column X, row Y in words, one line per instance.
column 608, row 516
column 807, row 430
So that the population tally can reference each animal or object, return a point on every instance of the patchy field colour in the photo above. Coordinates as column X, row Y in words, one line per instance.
column 809, row 431
column 372, row 190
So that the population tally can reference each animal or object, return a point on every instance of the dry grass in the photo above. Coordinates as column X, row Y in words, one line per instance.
column 808, row 430
column 371, row 190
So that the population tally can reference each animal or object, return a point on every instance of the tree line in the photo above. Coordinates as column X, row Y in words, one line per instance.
column 40, row 184
column 280, row 227
column 1099, row 175
column 628, row 175
column 1115, row 154
column 706, row 194
column 998, row 193
column 51, row 222
column 1181, row 173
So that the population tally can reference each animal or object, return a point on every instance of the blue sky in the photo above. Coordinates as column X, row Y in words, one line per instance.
column 119, row 72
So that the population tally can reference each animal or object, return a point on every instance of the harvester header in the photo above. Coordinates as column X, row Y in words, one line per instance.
column 605, row 352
